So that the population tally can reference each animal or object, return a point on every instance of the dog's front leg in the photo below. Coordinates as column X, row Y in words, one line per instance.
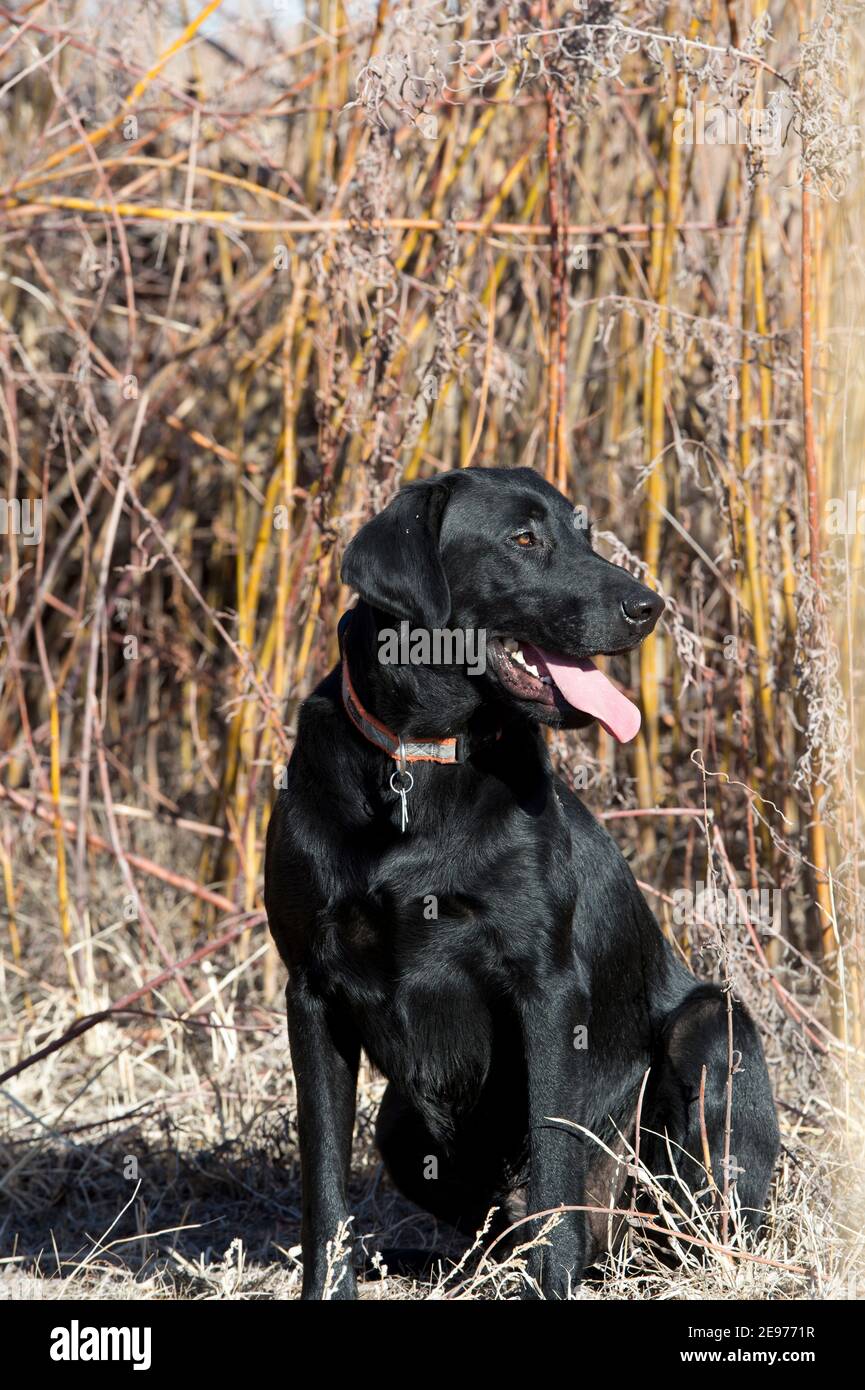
column 556, row 1149
column 325, row 1054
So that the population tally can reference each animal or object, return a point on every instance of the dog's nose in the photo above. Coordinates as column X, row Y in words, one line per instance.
column 642, row 608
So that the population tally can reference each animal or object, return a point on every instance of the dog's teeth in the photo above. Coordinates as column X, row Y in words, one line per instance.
column 546, row 680
column 527, row 666
column 510, row 644
column 521, row 660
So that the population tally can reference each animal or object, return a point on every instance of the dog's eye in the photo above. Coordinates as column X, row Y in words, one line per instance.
column 526, row 538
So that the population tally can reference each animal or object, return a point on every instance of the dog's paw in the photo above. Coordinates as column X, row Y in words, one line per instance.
column 332, row 1286
column 344, row 1293
column 550, row 1279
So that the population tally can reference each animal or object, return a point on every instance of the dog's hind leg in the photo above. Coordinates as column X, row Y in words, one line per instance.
column 694, row 1036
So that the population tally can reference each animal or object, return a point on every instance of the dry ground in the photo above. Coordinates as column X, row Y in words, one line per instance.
column 153, row 1158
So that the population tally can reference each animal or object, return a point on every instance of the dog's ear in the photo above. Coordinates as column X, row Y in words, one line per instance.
column 394, row 563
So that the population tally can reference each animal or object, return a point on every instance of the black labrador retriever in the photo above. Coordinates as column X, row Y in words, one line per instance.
column 443, row 901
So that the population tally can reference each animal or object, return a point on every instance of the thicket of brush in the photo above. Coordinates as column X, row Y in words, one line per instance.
column 255, row 276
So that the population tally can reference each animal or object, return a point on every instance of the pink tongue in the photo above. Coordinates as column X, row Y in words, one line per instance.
column 587, row 689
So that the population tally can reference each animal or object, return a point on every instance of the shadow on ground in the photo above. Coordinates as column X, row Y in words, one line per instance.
column 166, row 1219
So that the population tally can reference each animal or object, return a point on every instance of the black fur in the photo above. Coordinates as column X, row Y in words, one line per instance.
column 540, row 927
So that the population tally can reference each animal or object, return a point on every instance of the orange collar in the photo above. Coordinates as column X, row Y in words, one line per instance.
column 427, row 750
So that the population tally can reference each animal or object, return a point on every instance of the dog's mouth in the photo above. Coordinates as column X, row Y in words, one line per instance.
column 529, row 673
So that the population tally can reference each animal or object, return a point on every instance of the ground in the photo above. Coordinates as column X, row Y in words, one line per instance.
column 152, row 1158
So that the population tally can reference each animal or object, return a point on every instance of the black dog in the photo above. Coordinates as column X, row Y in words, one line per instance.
column 492, row 954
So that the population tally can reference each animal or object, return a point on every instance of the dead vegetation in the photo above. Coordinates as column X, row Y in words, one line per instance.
column 255, row 273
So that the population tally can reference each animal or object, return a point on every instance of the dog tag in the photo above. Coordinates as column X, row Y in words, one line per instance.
column 402, row 783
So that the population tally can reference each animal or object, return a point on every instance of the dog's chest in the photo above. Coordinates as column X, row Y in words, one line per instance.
column 435, row 917
column 436, row 936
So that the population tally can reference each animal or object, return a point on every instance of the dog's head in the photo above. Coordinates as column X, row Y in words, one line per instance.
column 500, row 551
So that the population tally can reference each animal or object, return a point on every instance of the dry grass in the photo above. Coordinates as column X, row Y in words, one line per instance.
column 158, row 1160
column 253, row 276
